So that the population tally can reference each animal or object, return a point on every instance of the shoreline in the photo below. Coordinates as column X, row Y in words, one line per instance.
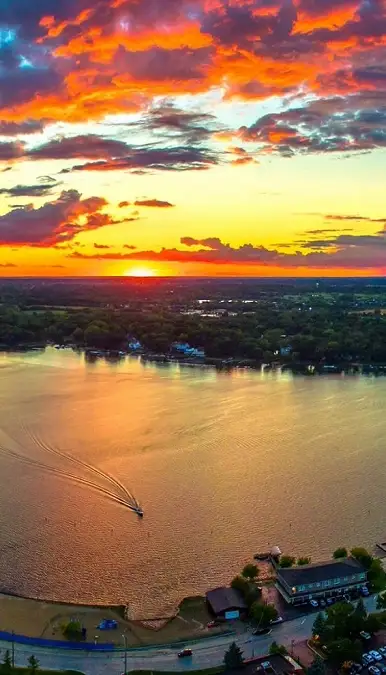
column 233, row 363
column 41, row 622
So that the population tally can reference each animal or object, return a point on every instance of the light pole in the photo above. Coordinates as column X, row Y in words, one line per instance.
column 125, row 641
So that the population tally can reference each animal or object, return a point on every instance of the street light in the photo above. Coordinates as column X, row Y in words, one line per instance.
column 125, row 641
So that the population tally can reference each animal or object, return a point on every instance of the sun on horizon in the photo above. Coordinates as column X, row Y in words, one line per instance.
column 141, row 271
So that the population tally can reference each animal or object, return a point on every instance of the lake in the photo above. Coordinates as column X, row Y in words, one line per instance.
column 223, row 464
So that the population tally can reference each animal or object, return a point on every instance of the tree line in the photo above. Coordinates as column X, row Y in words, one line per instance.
column 324, row 335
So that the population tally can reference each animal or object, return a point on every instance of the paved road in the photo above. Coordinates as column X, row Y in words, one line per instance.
column 207, row 653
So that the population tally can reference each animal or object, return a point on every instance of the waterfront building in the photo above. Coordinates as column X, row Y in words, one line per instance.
column 226, row 603
column 334, row 578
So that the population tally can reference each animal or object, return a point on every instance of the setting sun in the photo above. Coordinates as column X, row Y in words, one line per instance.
column 140, row 272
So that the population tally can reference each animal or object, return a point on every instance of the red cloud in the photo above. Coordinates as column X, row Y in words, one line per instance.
column 343, row 251
column 153, row 203
column 54, row 222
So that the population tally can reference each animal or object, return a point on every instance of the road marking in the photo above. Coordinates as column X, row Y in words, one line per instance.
column 302, row 622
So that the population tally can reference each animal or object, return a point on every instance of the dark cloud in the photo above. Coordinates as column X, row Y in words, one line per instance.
column 37, row 190
column 153, row 203
column 344, row 251
column 101, row 246
column 122, row 205
column 317, row 128
column 11, row 150
column 7, row 264
column 167, row 159
column 85, row 147
column 22, row 128
column 54, row 222
column 172, row 124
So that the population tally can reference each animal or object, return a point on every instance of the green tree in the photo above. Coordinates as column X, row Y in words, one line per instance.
column 73, row 631
column 250, row 572
column 317, row 667
column 263, row 613
column 372, row 624
column 340, row 553
column 303, row 561
column 362, row 556
column 33, row 664
column 233, row 657
column 381, row 601
column 319, row 625
column 360, row 609
column 287, row 561
column 275, row 648
column 343, row 650
column 376, row 574
column 239, row 583
column 6, row 666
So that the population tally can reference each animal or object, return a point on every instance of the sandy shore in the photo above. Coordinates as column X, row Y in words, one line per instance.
column 36, row 618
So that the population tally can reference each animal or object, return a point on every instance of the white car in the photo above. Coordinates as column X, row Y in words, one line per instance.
column 279, row 619
column 314, row 603
column 373, row 670
column 377, row 656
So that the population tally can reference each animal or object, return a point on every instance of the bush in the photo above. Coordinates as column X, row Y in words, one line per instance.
column 73, row 631
column 303, row 561
column 340, row 553
column 362, row 556
column 287, row 561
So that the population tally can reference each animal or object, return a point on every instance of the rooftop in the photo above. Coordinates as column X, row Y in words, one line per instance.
column 316, row 572
column 222, row 599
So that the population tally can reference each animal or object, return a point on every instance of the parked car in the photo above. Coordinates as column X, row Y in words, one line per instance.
column 373, row 670
column 382, row 650
column 322, row 603
column 279, row 619
column 365, row 636
column 367, row 659
column 382, row 667
column 184, row 652
column 356, row 667
column 377, row 656
column 314, row 603
column 108, row 624
column 330, row 601
column 212, row 624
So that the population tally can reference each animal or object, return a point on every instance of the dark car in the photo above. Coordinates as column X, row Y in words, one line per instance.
column 184, row 652
column 262, row 631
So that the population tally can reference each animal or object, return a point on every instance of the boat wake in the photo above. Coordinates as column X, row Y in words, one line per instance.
column 117, row 492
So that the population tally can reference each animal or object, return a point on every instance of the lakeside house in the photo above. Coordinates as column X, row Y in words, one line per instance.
column 226, row 603
column 134, row 345
column 185, row 349
column 299, row 585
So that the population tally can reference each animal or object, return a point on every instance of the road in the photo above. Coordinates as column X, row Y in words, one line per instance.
column 206, row 653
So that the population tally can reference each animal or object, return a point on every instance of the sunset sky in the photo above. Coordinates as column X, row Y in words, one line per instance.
column 192, row 137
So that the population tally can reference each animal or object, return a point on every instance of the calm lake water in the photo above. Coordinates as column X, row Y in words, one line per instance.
column 224, row 465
